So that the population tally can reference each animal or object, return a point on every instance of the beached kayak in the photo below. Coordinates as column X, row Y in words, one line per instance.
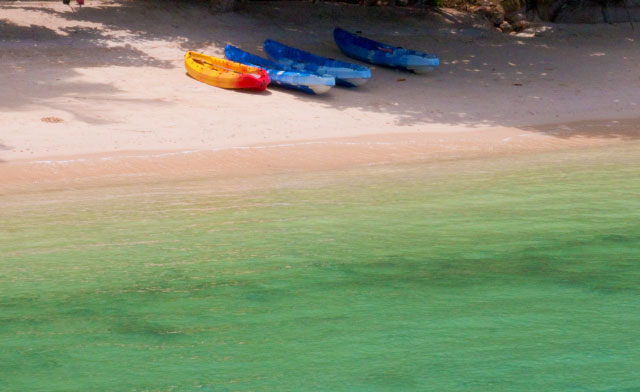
column 346, row 74
column 282, row 75
column 374, row 52
column 224, row 73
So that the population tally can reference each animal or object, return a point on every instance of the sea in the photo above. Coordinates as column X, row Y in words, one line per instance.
column 517, row 272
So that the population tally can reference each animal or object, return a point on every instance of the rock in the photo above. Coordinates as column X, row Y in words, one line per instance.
column 505, row 27
column 521, row 25
column 496, row 19
column 493, row 14
column 514, row 17
column 510, row 6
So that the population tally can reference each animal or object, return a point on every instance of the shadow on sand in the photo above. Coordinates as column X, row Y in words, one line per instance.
column 485, row 80
column 50, row 74
column 3, row 147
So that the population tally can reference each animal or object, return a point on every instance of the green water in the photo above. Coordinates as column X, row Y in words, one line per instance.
column 503, row 274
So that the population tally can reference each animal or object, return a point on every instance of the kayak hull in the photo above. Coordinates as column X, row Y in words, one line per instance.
column 374, row 52
column 345, row 74
column 281, row 75
column 224, row 73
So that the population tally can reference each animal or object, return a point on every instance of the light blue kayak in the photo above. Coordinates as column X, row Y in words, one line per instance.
column 346, row 74
column 282, row 75
column 374, row 52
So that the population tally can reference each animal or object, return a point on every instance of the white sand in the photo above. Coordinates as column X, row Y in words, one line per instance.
column 112, row 74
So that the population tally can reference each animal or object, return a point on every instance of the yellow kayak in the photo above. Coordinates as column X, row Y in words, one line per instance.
column 224, row 73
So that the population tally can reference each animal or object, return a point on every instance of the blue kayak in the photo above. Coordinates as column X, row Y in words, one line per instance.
column 281, row 75
column 346, row 74
column 374, row 52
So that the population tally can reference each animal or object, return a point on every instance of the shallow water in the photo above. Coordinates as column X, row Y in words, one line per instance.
column 497, row 274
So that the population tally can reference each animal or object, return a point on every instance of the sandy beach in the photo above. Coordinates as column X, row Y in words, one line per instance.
column 101, row 92
column 473, row 229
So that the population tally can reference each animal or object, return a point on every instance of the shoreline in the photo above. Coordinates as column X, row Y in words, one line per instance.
column 126, row 167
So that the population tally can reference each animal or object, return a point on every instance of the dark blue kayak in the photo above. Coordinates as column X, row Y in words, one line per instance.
column 346, row 74
column 281, row 75
column 375, row 52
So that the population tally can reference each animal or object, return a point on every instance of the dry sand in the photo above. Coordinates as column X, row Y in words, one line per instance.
column 101, row 92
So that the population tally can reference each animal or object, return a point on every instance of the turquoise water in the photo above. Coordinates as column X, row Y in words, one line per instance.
column 502, row 274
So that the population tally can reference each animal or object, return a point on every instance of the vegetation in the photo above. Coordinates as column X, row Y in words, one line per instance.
column 497, row 11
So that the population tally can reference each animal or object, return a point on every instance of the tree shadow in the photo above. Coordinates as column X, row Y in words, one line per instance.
column 49, row 75
column 185, row 23
column 486, row 79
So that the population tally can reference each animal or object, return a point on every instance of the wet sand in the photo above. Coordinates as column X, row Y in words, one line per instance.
column 341, row 153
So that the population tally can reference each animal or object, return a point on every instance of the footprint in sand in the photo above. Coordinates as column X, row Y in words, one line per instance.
column 52, row 120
